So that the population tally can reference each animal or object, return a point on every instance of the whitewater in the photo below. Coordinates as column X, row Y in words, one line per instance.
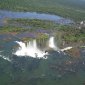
column 31, row 49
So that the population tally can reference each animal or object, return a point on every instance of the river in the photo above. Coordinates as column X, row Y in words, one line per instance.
column 32, row 15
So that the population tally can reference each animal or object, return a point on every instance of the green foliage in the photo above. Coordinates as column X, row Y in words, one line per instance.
column 69, row 33
column 74, row 9
column 34, row 23
column 12, row 29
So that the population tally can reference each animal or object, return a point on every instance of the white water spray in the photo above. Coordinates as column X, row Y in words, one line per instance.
column 55, row 47
column 67, row 48
column 30, row 49
column 5, row 58
column 52, row 44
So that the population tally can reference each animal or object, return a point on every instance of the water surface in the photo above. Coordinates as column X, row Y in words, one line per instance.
column 33, row 15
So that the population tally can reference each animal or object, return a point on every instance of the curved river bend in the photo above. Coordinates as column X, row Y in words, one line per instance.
column 33, row 15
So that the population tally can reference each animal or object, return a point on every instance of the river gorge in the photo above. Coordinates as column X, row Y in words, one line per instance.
column 41, row 47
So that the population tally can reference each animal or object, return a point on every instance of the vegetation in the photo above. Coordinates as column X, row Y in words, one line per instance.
column 58, row 69
column 68, row 33
column 11, row 29
column 33, row 23
column 73, row 9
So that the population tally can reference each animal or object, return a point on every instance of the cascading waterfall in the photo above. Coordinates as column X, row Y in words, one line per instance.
column 34, row 44
column 30, row 50
column 55, row 47
column 52, row 43
column 67, row 48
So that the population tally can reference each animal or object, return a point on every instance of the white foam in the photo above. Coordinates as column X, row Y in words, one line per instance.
column 52, row 44
column 30, row 49
column 5, row 58
column 67, row 48
column 55, row 47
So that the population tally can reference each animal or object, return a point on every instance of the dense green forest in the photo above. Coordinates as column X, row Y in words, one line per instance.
column 74, row 9
column 69, row 33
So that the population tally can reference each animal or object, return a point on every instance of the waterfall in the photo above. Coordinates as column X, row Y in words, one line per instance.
column 30, row 49
column 55, row 47
column 52, row 44
column 66, row 48
column 35, row 44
